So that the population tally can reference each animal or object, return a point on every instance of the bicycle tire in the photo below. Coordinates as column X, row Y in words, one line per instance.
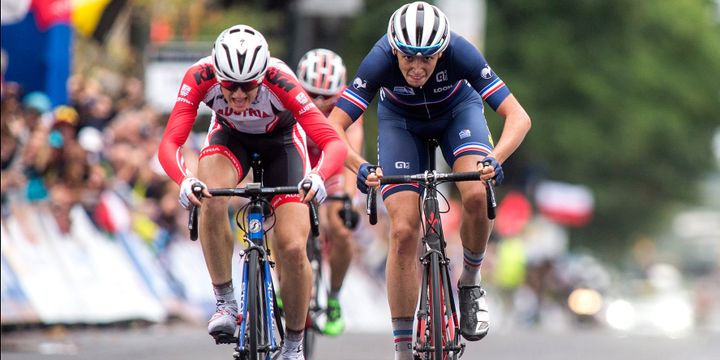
column 252, row 301
column 314, row 253
column 437, row 311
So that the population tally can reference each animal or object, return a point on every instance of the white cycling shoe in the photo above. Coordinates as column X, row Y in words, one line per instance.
column 224, row 320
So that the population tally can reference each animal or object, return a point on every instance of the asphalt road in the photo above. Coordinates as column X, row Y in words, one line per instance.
column 190, row 342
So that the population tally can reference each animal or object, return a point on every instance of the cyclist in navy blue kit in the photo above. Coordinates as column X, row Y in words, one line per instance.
column 432, row 83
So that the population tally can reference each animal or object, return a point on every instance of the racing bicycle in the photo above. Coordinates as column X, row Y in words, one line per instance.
column 318, row 300
column 261, row 329
column 437, row 330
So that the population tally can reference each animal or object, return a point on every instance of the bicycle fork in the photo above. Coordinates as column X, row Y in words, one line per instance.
column 437, row 321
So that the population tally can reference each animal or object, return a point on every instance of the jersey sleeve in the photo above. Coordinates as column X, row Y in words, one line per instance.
column 478, row 72
column 194, row 86
column 366, row 83
column 288, row 89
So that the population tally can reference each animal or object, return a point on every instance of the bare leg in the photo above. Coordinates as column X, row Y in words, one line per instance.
column 290, row 236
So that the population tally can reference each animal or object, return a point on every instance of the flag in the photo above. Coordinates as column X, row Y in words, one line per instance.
column 565, row 204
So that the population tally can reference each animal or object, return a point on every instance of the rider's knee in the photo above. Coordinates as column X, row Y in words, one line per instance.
column 339, row 233
column 406, row 237
column 474, row 200
column 216, row 206
column 289, row 250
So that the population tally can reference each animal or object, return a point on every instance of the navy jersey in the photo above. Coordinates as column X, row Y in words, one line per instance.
column 460, row 71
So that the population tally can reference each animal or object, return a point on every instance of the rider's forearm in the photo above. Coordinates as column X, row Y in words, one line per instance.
column 517, row 125
column 341, row 121
column 353, row 159
column 512, row 136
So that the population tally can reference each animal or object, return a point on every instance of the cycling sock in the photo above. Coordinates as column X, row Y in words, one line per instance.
column 402, row 332
column 293, row 342
column 334, row 294
column 471, row 268
column 224, row 292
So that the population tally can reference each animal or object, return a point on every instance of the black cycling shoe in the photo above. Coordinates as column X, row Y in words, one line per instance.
column 474, row 316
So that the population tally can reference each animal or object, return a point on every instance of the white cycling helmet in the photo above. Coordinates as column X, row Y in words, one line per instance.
column 322, row 72
column 240, row 54
column 418, row 28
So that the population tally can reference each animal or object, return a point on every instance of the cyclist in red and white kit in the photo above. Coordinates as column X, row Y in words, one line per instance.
column 247, row 89
column 322, row 73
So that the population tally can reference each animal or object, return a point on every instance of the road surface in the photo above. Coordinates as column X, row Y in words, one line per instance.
column 190, row 342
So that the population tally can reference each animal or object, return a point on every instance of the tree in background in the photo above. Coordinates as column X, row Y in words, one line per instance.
column 624, row 97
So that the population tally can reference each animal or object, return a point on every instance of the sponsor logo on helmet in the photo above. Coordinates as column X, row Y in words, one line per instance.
column 403, row 90
column 486, row 72
column 359, row 83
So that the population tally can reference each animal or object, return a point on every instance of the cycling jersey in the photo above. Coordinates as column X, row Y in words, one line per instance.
column 279, row 92
column 452, row 98
column 460, row 71
column 314, row 152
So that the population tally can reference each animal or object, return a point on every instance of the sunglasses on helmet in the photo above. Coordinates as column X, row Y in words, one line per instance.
column 244, row 86
column 410, row 50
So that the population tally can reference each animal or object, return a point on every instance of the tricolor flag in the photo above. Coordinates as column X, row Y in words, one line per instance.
column 565, row 204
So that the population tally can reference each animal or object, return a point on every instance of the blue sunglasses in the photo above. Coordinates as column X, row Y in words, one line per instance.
column 410, row 50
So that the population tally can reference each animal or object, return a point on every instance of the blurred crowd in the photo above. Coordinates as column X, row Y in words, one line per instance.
column 100, row 147
column 100, row 152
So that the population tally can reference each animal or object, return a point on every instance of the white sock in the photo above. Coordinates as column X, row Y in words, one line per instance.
column 471, row 268
column 403, row 337
column 292, row 348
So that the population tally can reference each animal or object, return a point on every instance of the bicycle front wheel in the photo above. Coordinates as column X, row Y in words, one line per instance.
column 317, row 299
column 436, row 317
column 254, row 304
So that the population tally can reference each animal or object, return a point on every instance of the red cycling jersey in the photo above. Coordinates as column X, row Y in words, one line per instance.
column 280, row 91
column 314, row 151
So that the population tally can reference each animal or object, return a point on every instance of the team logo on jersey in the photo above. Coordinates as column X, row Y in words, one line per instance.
column 464, row 134
column 402, row 165
column 443, row 88
column 203, row 74
column 359, row 83
column 441, row 76
column 184, row 90
column 404, row 90
column 486, row 72
column 302, row 98
column 283, row 82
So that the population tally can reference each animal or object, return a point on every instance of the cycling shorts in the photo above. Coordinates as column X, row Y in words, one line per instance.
column 402, row 139
column 282, row 152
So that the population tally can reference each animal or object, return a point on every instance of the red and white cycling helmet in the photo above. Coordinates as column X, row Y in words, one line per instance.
column 418, row 28
column 321, row 72
column 240, row 54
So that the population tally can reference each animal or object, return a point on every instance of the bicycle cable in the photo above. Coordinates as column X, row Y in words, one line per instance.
column 422, row 198
column 242, row 213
